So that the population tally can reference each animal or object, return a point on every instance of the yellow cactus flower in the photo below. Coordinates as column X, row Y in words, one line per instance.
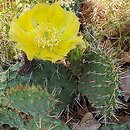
column 46, row 31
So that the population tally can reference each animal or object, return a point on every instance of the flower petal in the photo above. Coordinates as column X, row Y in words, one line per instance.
column 71, row 26
column 25, row 20
column 58, row 16
column 47, row 54
column 25, row 39
column 64, row 47
column 40, row 14
column 31, row 51
column 17, row 34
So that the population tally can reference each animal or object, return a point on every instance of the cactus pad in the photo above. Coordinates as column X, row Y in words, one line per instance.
column 10, row 117
column 99, row 81
column 124, row 126
column 46, row 123
column 31, row 100
column 54, row 77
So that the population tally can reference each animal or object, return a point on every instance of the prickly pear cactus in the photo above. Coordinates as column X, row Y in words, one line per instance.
column 54, row 77
column 46, row 123
column 10, row 117
column 75, row 60
column 29, row 100
column 99, row 81
column 124, row 126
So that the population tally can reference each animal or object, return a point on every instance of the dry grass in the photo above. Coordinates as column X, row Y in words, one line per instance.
column 111, row 20
column 7, row 51
column 101, row 11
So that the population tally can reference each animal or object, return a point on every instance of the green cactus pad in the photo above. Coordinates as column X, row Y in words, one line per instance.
column 31, row 100
column 46, row 123
column 99, row 81
column 124, row 126
column 54, row 77
column 10, row 117
column 9, row 75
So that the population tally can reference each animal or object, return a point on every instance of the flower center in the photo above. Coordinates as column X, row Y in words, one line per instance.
column 46, row 35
